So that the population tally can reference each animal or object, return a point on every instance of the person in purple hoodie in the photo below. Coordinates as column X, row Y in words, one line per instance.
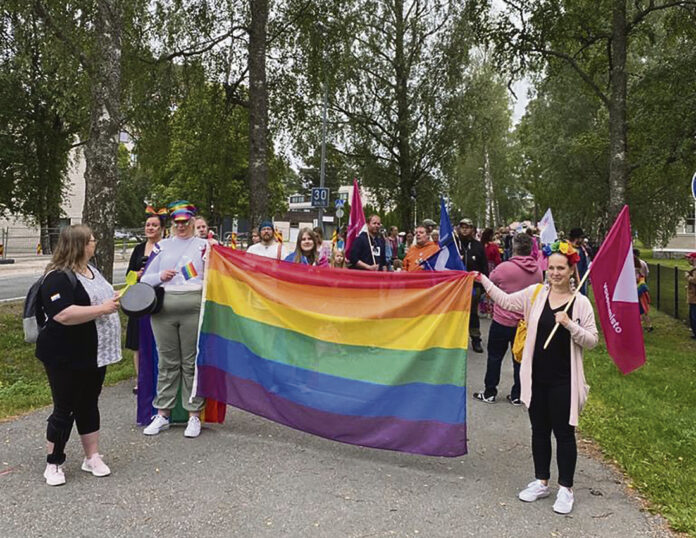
column 518, row 273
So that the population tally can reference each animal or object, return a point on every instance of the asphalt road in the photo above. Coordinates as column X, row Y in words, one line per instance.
column 17, row 282
column 253, row 478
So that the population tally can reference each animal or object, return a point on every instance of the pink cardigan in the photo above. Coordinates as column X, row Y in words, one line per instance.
column 583, row 334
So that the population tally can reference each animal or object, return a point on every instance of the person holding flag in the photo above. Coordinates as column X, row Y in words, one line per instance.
column 178, row 269
column 365, row 248
column 552, row 378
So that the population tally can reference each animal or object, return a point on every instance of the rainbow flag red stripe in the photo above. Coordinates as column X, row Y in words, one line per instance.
column 374, row 359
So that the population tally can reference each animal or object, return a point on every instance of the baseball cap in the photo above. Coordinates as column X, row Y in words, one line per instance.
column 466, row 222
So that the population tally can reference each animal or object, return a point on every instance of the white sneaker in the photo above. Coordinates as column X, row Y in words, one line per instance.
column 54, row 475
column 564, row 501
column 96, row 466
column 158, row 424
column 193, row 428
column 534, row 490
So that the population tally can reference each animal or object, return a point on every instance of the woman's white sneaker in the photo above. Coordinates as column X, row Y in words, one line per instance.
column 564, row 501
column 54, row 475
column 96, row 466
column 158, row 424
column 193, row 428
column 534, row 490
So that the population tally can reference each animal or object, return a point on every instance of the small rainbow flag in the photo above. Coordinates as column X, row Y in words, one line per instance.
column 189, row 271
column 372, row 359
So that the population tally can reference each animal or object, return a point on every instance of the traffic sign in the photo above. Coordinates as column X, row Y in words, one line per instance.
column 320, row 197
column 339, row 202
column 339, row 212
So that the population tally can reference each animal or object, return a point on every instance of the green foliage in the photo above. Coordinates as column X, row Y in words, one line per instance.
column 41, row 110
column 484, row 141
column 565, row 139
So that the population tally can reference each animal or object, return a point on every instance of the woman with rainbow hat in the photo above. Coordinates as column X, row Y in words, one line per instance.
column 178, row 269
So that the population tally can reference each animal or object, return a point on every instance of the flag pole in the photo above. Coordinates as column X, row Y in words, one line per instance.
column 369, row 242
column 570, row 303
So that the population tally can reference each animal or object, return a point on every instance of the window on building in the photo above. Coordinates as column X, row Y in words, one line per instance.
column 343, row 196
column 689, row 225
column 297, row 199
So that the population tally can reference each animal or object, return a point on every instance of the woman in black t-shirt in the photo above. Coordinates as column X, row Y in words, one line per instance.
column 141, row 253
column 81, row 336
column 552, row 379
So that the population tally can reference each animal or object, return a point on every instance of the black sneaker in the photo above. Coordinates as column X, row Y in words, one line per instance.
column 514, row 401
column 480, row 396
column 476, row 346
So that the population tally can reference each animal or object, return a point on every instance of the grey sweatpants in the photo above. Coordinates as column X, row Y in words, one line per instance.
column 176, row 333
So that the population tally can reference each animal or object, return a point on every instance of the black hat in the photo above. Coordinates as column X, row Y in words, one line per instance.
column 576, row 233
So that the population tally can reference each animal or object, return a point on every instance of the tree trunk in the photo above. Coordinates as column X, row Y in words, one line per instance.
column 618, row 128
column 407, row 183
column 258, row 114
column 101, row 150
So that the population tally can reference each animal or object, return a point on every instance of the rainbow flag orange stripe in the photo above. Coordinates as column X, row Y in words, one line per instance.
column 377, row 360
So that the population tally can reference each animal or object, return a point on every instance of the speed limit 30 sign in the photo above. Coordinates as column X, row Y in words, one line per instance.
column 320, row 197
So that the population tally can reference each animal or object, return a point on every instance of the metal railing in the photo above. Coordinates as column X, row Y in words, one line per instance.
column 667, row 287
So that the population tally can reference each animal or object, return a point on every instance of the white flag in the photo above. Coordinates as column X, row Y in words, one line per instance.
column 547, row 228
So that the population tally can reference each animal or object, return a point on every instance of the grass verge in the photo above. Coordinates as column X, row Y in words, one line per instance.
column 646, row 421
column 23, row 384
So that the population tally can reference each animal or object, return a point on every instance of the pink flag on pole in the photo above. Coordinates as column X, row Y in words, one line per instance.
column 356, row 221
column 616, row 294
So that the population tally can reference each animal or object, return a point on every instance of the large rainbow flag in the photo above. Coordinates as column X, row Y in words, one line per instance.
column 373, row 359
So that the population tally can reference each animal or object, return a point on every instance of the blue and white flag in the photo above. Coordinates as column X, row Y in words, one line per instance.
column 448, row 257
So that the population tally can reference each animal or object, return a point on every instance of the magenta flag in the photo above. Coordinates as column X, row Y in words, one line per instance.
column 356, row 222
column 616, row 294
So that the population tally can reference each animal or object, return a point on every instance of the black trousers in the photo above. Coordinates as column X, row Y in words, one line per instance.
column 75, row 399
column 474, row 323
column 549, row 411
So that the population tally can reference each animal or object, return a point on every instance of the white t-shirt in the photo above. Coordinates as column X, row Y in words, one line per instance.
column 270, row 251
column 176, row 253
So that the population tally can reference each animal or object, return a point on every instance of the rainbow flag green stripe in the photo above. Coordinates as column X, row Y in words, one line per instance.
column 385, row 368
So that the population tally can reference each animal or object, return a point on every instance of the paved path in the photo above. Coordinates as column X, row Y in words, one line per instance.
column 253, row 478
column 17, row 278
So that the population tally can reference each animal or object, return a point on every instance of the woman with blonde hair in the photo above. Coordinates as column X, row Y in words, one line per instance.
column 82, row 335
column 338, row 259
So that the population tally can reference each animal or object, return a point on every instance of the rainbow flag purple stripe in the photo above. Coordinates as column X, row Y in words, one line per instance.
column 377, row 360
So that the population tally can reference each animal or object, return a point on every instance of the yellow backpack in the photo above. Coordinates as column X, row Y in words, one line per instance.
column 521, row 334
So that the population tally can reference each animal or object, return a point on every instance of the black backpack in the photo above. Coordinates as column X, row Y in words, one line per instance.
column 34, row 318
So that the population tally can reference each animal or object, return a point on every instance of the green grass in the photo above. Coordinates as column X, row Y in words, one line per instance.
column 646, row 421
column 23, row 384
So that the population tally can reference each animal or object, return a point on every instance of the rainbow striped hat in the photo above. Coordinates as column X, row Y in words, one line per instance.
column 181, row 210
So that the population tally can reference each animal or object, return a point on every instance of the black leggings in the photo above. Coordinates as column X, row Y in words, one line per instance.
column 75, row 395
column 550, row 411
